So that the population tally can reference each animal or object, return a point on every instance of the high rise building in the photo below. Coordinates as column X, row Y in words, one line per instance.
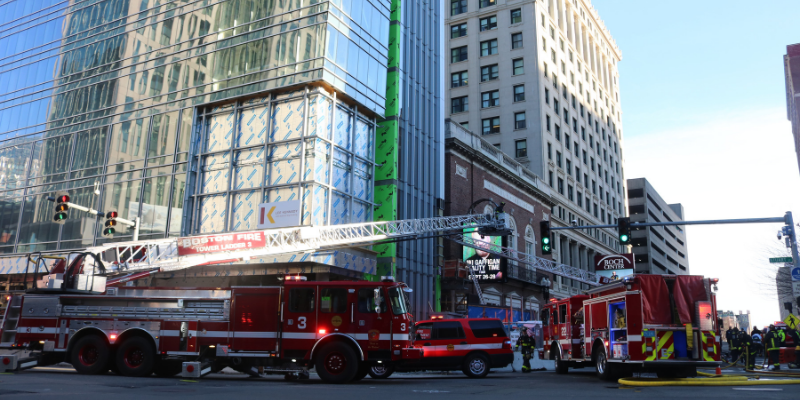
column 189, row 114
column 539, row 79
column 656, row 249
column 791, row 64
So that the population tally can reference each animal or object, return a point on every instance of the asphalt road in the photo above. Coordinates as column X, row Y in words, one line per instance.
column 64, row 383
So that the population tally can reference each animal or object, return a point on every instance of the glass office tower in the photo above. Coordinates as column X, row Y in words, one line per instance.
column 186, row 114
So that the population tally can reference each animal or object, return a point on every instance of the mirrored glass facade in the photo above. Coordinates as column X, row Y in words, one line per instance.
column 186, row 113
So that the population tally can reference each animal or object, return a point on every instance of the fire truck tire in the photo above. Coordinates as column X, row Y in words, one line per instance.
column 363, row 370
column 476, row 365
column 336, row 363
column 561, row 366
column 168, row 368
column 90, row 355
column 136, row 357
column 380, row 371
column 604, row 370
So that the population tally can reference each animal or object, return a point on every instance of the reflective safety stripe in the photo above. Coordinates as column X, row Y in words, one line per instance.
column 259, row 335
column 666, row 346
column 709, row 345
column 569, row 341
column 648, row 346
column 298, row 335
column 484, row 346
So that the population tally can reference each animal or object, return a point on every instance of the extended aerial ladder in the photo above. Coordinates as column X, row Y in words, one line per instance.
column 120, row 262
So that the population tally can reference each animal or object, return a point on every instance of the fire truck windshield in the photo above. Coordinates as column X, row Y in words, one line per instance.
column 397, row 300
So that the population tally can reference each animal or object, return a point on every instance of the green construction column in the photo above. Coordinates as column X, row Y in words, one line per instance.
column 387, row 150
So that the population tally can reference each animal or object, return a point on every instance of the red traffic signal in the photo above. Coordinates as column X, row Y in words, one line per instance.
column 62, row 199
column 111, row 214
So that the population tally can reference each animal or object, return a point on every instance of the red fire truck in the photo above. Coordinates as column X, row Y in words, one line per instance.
column 643, row 323
column 339, row 328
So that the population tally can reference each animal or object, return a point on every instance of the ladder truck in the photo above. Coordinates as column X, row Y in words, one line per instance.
column 77, row 314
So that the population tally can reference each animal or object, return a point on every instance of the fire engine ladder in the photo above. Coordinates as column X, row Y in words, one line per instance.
column 8, row 329
column 477, row 285
column 528, row 260
column 144, row 257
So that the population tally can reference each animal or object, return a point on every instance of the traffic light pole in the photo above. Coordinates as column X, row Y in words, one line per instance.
column 703, row 222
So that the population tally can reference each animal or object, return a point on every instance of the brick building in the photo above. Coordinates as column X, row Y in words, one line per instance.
column 475, row 169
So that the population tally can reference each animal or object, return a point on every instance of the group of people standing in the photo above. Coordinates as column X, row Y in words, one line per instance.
column 748, row 346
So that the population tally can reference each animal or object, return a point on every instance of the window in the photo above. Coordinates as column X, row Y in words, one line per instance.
column 489, row 23
column 465, row 124
column 544, row 47
column 458, row 7
column 555, row 103
column 487, row 328
column 489, row 72
column 490, row 125
column 516, row 16
column 521, row 148
column 578, row 174
column 549, row 151
column 552, row 33
column 489, row 47
column 561, row 43
column 519, row 120
column 459, row 104
column 547, row 119
column 368, row 302
column 543, row 21
column 558, row 133
column 550, row 178
column 558, row 159
column 569, row 167
column 516, row 40
column 301, row 300
column 566, row 141
column 519, row 66
column 458, row 54
column 519, row 93
column 458, row 79
column 547, row 96
column 580, row 200
column 490, row 99
column 553, row 57
column 560, row 186
column 570, row 194
column 448, row 330
column 574, row 125
column 584, row 156
column 457, row 31
column 486, row 3
column 333, row 300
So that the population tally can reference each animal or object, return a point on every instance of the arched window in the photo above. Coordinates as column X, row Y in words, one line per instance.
column 530, row 241
column 513, row 239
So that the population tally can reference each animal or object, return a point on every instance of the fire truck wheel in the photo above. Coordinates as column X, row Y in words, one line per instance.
column 476, row 365
column 363, row 370
column 336, row 363
column 136, row 357
column 561, row 365
column 167, row 368
column 604, row 370
column 90, row 355
column 380, row 371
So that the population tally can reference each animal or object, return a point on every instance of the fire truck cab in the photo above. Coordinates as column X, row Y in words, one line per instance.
column 339, row 328
column 644, row 323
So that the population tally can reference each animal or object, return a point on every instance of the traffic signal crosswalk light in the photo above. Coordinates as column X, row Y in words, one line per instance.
column 624, row 230
column 110, row 224
column 62, row 206
column 544, row 232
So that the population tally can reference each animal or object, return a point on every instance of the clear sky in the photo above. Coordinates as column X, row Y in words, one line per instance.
column 704, row 120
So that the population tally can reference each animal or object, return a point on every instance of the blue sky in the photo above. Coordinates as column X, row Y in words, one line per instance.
column 704, row 120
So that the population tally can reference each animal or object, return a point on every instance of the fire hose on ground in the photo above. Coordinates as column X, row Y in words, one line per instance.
column 719, row 379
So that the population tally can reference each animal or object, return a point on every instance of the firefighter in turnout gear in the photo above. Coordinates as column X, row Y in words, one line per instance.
column 772, row 345
column 736, row 348
column 527, row 343
column 748, row 350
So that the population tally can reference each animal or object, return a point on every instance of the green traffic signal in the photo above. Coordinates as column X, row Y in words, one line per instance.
column 623, row 238
column 546, row 240
column 108, row 231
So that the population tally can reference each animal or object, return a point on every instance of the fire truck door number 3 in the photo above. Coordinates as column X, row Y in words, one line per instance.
column 403, row 327
column 301, row 323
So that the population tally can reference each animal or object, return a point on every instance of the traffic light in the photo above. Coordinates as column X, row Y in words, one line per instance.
column 111, row 222
column 624, row 230
column 62, row 206
column 544, row 233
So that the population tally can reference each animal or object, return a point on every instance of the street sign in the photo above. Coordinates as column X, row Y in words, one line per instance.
column 796, row 274
column 780, row 260
column 280, row 214
column 792, row 321
column 220, row 243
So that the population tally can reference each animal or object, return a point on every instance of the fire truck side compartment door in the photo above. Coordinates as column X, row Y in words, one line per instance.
column 256, row 312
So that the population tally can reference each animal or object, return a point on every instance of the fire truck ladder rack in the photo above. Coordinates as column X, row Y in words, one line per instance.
column 531, row 260
column 144, row 257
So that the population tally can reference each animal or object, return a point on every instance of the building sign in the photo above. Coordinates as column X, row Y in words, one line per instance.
column 613, row 267
column 281, row 214
column 486, row 267
column 220, row 243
